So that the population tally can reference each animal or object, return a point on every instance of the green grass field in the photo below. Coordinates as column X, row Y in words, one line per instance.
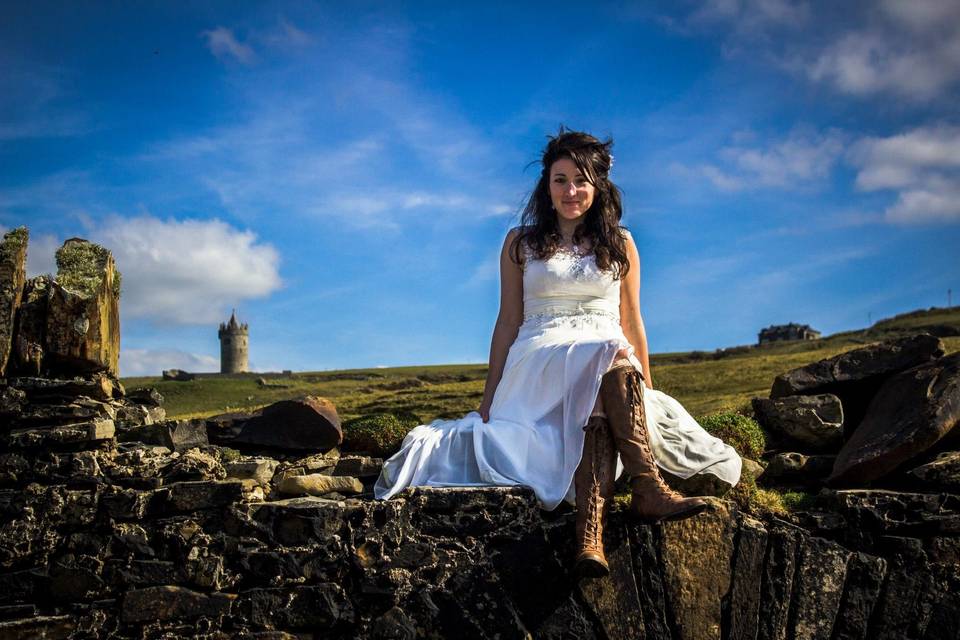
column 704, row 382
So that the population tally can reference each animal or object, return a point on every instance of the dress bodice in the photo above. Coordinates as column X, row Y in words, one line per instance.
column 568, row 283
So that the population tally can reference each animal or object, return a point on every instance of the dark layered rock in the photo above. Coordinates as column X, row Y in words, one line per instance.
column 865, row 576
column 814, row 422
column 855, row 376
column 31, row 337
column 309, row 423
column 874, row 360
column 776, row 587
column 13, row 275
column 818, row 588
column 193, row 558
column 83, row 313
column 66, row 436
column 696, row 555
column 178, row 435
column 912, row 411
column 941, row 474
column 743, row 611
column 50, row 390
column 797, row 469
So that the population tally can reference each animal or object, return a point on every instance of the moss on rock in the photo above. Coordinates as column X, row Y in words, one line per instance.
column 740, row 432
column 380, row 434
column 12, row 242
column 80, row 266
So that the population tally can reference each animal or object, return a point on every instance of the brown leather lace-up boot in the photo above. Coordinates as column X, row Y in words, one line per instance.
column 593, row 484
column 621, row 389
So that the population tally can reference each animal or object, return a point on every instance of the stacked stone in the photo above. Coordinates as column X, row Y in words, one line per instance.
column 867, row 416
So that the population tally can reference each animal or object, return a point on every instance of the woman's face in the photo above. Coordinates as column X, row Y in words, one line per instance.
column 570, row 191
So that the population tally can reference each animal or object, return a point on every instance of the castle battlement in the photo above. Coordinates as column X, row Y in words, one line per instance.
column 234, row 345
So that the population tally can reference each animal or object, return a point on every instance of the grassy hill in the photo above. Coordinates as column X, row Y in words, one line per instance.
column 704, row 382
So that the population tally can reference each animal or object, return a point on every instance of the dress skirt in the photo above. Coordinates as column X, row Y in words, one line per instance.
column 535, row 436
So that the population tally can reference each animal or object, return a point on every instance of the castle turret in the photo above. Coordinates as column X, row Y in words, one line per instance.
column 234, row 341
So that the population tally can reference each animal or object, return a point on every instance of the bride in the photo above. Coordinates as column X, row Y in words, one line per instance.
column 569, row 402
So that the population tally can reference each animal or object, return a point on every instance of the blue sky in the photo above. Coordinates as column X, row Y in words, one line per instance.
column 343, row 173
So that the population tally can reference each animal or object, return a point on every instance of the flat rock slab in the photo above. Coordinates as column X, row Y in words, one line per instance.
column 317, row 484
column 99, row 387
column 912, row 411
column 814, row 421
column 259, row 469
column 309, row 423
column 942, row 474
column 172, row 602
column 79, row 434
column 879, row 359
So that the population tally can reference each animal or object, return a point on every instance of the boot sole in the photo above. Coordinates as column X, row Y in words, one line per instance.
column 591, row 569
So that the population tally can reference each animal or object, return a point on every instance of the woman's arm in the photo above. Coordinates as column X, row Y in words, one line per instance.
column 508, row 322
column 630, row 320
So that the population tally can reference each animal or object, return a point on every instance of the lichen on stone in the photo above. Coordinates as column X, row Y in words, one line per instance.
column 80, row 266
column 12, row 241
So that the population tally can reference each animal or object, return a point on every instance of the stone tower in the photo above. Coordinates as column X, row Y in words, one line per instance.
column 233, row 345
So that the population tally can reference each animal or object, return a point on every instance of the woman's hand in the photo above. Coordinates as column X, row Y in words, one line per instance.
column 484, row 409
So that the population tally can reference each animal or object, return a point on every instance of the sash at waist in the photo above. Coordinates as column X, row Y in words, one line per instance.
column 544, row 307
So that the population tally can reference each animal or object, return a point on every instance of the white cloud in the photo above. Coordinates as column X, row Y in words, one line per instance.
column 922, row 165
column 906, row 48
column 287, row 34
column 752, row 15
column 152, row 362
column 224, row 44
column 41, row 251
column 189, row 271
column 800, row 160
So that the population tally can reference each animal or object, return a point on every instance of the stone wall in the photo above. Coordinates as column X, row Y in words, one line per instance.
column 117, row 523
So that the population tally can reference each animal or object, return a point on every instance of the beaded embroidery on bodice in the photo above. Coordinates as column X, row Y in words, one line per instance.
column 568, row 283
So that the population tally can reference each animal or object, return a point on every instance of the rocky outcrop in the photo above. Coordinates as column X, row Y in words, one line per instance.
column 13, row 274
column 856, row 375
column 61, row 327
column 911, row 412
column 881, row 409
column 83, row 314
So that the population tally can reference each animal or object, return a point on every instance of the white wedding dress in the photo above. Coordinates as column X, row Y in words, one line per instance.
column 569, row 338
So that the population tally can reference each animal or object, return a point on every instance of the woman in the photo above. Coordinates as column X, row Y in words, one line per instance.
column 563, row 410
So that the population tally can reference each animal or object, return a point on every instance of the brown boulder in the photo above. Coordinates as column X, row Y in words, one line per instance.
column 912, row 411
column 83, row 317
column 309, row 423
column 13, row 275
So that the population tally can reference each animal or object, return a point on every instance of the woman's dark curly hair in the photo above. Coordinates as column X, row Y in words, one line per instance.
column 601, row 224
